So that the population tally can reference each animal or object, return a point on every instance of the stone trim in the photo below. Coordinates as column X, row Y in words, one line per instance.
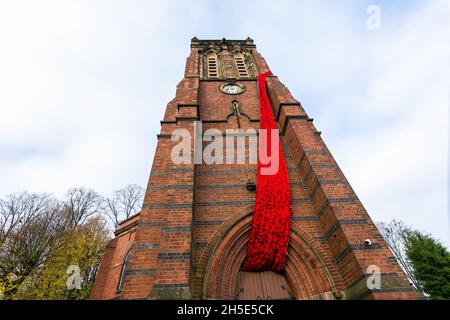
column 170, row 291
column 392, row 259
column 174, row 256
column 343, row 200
column 281, row 105
column 219, row 187
column 318, row 151
column 171, row 285
column 242, row 202
column 305, row 218
column 184, row 119
column 139, row 272
column 171, row 187
column 342, row 222
column 209, row 223
column 288, row 118
column 235, row 171
column 149, row 224
column 341, row 181
column 323, row 166
column 177, row 229
column 174, row 170
column 127, row 228
column 225, row 203
column 167, row 206
column 355, row 247
column 390, row 282
column 139, row 246
column 235, row 186
column 299, row 200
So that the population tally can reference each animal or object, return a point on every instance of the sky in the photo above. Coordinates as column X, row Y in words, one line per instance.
column 84, row 84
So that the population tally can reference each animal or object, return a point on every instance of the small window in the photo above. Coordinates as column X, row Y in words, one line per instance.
column 124, row 270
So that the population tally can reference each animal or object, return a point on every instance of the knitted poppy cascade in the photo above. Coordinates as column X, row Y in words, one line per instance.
column 269, row 235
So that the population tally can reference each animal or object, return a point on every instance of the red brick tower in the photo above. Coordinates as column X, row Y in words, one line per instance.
column 191, row 236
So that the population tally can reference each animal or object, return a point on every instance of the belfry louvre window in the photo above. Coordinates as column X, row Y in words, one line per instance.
column 240, row 65
column 212, row 67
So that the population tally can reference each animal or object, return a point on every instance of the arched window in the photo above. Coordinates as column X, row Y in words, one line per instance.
column 123, row 272
column 240, row 65
column 213, row 71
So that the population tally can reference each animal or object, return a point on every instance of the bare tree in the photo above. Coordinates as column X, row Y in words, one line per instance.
column 27, row 246
column 123, row 203
column 395, row 234
column 18, row 209
column 81, row 204
column 34, row 227
column 31, row 238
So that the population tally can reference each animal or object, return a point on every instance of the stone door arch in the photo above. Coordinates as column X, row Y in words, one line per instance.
column 306, row 273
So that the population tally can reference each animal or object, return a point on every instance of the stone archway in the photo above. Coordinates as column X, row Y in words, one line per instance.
column 307, row 275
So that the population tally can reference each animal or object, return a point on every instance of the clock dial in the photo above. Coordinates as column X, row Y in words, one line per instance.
column 232, row 89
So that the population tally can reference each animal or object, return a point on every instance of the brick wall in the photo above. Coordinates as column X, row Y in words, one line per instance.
column 106, row 285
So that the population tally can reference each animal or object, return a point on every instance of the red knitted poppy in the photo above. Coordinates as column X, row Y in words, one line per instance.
column 269, row 235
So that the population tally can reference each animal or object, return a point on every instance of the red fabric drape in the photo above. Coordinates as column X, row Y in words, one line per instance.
column 269, row 235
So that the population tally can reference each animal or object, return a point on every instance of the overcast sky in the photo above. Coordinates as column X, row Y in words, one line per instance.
column 83, row 85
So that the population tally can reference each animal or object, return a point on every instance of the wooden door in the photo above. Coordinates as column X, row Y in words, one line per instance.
column 265, row 285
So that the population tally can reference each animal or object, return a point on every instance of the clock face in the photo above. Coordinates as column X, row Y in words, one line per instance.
column 231, row 88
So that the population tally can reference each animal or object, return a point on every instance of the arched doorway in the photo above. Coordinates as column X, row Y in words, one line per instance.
column 305, row 276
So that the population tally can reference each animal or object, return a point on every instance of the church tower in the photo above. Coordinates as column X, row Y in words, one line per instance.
column 191, row 237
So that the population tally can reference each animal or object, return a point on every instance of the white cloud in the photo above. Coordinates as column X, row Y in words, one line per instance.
column 79, row 99
column 399, row 167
